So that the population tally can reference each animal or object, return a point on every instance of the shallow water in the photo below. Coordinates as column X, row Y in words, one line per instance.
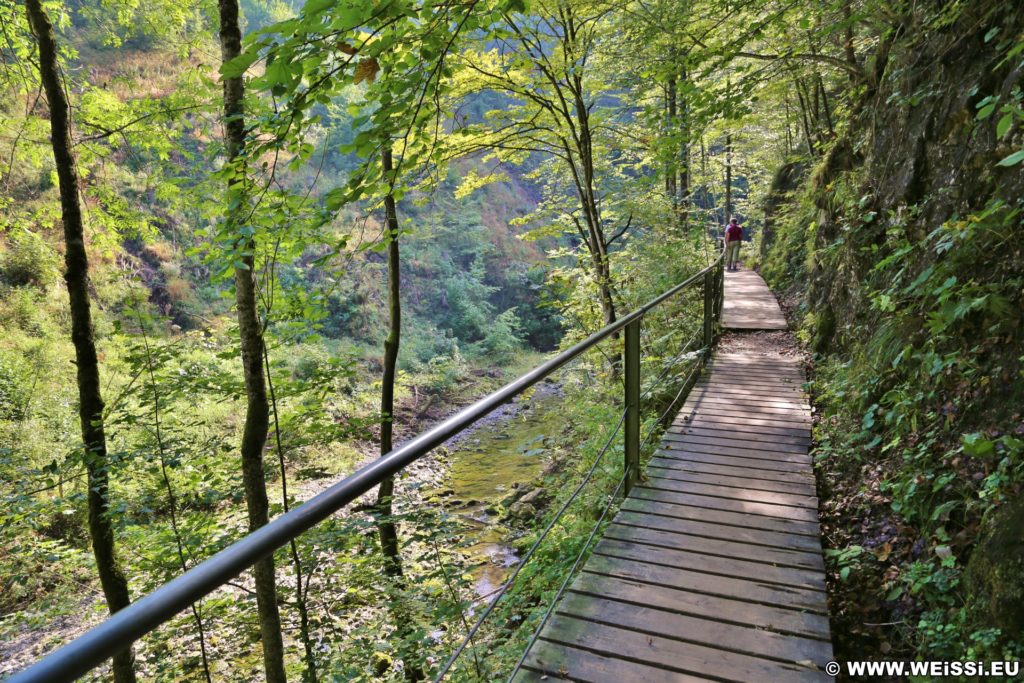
column 486, row 466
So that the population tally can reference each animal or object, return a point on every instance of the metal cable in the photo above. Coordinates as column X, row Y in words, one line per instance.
column 529, row 553
column 671, row 406
column 668, row 368
column 568, row 577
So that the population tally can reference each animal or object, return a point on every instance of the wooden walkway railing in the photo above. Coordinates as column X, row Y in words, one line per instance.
column 712, row 569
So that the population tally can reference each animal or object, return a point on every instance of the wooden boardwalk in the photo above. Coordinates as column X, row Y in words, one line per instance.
column 712, row 570
column 749, row 304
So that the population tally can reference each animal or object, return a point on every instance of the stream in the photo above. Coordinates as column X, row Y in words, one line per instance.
column 503, row 453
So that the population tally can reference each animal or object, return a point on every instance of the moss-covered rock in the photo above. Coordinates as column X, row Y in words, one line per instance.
column 995, row 573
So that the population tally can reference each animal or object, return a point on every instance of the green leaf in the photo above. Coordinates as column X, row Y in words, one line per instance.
column 1013, row 159
column 239, row 65
column 1004, row 125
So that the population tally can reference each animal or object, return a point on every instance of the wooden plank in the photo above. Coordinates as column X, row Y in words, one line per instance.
column 711, row 564
column 736, row 446
column 753, row 397
column 800, row 438
column 732, row 470
column 671, row 506
column 700, row 605
column 713, row 416
column 527, row 676
column 683, row 658
column 787, row 500
column 552, row 659
column 708, row 454
column 735, row 505
column 743, row 380
column 779, row 406
column 765, row 376
column 730, row 587
column 708, row 632
column 790, row 370
column 797, row 492
column 768, row 387
column 714, row 546
column 801, row 488
column 768, row 539
column 741, row 425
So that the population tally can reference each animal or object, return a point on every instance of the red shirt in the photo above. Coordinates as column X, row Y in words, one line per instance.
column 733, row 233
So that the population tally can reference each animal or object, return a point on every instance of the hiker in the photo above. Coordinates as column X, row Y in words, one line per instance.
column 733, row 239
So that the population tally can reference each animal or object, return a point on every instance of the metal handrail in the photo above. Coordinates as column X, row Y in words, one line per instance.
column 126, row 626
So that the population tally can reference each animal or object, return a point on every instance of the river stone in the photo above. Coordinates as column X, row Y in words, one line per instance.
column 526, row 508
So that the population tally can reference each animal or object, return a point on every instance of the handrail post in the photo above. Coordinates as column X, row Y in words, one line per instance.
column 709, row 309
column 720, row 290
column 632, row 400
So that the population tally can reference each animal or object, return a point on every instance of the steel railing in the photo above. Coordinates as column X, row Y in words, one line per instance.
column 126, row 626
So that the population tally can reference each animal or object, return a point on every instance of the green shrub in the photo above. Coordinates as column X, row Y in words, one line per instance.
column 28, row 261
column 14, row 390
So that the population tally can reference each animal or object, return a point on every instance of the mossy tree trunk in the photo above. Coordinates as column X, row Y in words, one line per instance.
column 257, row 412
column 76, row 275
column 387, row 530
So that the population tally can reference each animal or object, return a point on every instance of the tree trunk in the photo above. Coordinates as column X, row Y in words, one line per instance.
column 728, row 176
column 76, row 275
column 257, row 413
column 670, row 164
column 804, row 119
column 684, row 162
column 386, row 528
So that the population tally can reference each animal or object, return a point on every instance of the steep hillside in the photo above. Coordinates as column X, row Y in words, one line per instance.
column 902, row 247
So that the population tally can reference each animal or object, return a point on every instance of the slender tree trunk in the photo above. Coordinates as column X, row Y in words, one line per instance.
column 851, row 54
column 386, row 527
column 789, row 132
column 172, row 498
column 670, row 170
column 728, row 176
column 309, row 675
column 804, row 119
column 257, row 413
column 684, row 161
column 76, row 275
column 825, row 107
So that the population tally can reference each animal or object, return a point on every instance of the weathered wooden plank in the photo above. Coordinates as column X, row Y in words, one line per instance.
column 528, row 676
column 769, row 384
column 738, row 480
column 738, row 612
column 789, row 370
column 747, row 419
column 695, row 581
column 712, row 564
column 753, row 404
column 734, row 505
column 801, row 438
column 768, row 539
column 792, row 502
column 742, row 424
column 713, row 546
column 710, row 509
column 733, row 470
column 696, row 452
column 746, row 399
column 667, row 653
column 715, row 634
column 766, row 388
column 581, row 666
column 735, row 445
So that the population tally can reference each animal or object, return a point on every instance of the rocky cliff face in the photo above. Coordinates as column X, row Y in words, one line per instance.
column 904, row 243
